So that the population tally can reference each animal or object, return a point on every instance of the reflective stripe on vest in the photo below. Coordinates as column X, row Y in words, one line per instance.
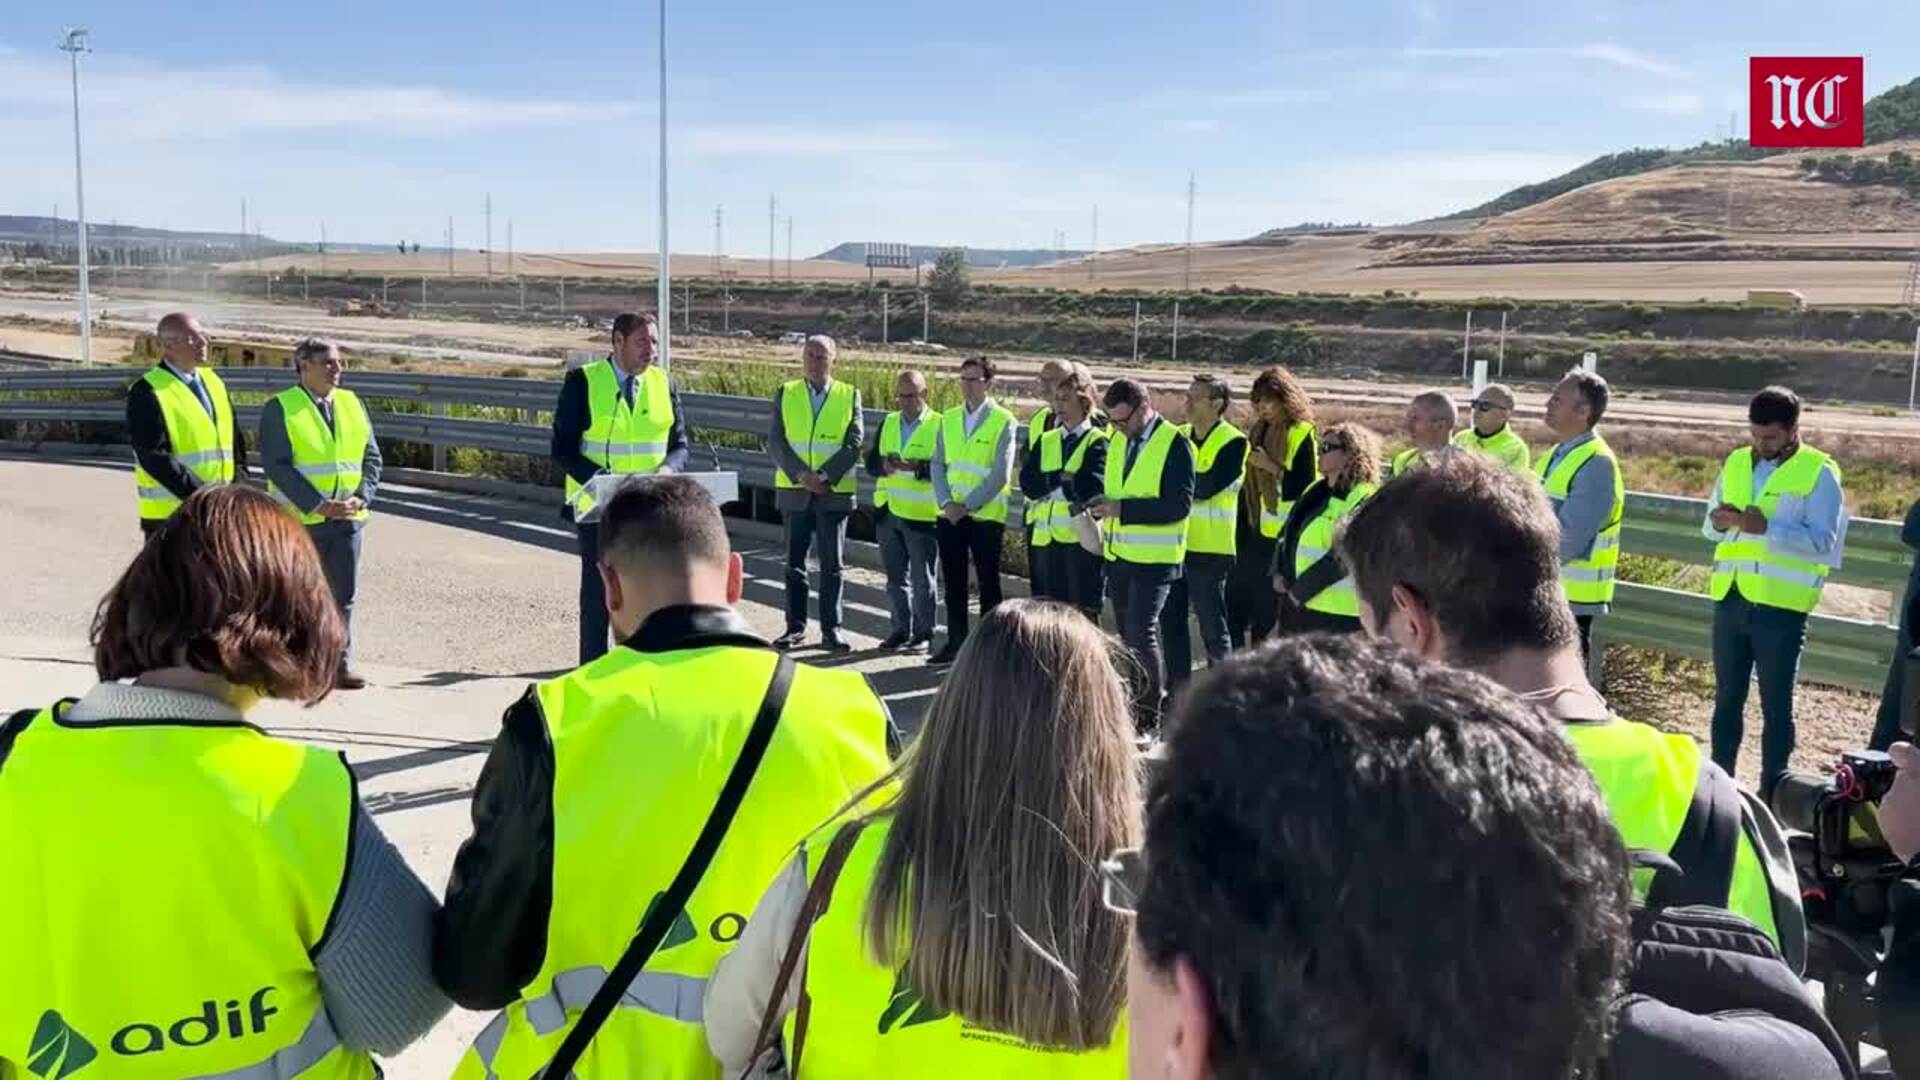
column 622, row 438
column 1210, row 528
column 907, row 496
column 815, row 439
column 1145, row 544
column 202, row 444
column 1316, row 541
column 642, row 743
column 969, row 459
column 329, row 457
column 1647, row 777
column 1060, row 528
column 1588, row 580
column 1299, row 434
column 865, row 1022
column 1763, row 576
column 1036, row 429
column 239, row 844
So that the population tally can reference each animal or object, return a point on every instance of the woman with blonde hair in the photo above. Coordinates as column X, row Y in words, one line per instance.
column 953, row 924
column 1280, row 468
column 1315, row 591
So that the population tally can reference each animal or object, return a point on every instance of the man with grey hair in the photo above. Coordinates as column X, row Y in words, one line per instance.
column 1429, row 427
column 1589, row 496
column 322, row 461
column 814, row 441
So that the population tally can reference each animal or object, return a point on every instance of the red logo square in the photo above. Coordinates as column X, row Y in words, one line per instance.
column 1796, row 101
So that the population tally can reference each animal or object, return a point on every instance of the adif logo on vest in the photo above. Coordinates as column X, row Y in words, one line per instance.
column 1806, row 101
column 906, row 1007
column 58, row 1050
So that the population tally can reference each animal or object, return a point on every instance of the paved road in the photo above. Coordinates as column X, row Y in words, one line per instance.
column 463, row 600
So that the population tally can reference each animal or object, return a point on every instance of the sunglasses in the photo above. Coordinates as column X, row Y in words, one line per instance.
column 1123, row 877
column 1486, row 406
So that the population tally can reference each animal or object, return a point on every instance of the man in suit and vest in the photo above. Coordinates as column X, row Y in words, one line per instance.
column 180, row 422
column 1146, row 500
column 972, row 476
column 321, row 460
column 619, row 416
column 901, row 464
column 1044, row 419
column 1778, row 521
column 1429, row 428
column 815, row 442
column 1589, row 496
column 1219, row 470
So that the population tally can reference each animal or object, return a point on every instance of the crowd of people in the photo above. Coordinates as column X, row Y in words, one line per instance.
column 1403, row 837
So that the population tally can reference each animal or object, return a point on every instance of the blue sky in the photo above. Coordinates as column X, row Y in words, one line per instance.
column 989, row 123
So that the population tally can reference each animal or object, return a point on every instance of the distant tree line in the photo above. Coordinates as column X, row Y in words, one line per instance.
column 1900, row 169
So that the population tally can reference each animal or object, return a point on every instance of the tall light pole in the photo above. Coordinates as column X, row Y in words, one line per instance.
column 663, row 304
column 1187, row 278
column 74, row 44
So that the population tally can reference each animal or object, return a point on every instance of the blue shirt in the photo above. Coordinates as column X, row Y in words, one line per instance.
column 1804, row 529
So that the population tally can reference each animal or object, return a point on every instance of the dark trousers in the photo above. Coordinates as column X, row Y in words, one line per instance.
column 971, row 541
column 1077, row 576
column 1300, row 619
column 1043, row 570
column 1202, row 589
column 338, row 543
column 1139, row 596
column 1753, row 639
column 1585, row 624
column 1886, row 725
column 593, row 595
column 1252, row 607
column 908, row 554
column 825, row 533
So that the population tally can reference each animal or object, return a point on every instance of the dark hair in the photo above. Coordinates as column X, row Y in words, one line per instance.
column 662, row 521
column 1776, row 405
column 1217, row 389
column 1593, row 389
column 1382, row 868
column 310, row 347
column 1476, row 542
column 625, row 323
column 1278, row 384
column 230, row 585
column 1130, row 392
column 984, row 363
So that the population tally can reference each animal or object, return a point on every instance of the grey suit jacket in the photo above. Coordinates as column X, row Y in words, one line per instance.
column 837, row 466
column 276, row 458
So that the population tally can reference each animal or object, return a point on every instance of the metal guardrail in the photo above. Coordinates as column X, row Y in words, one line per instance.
column 1843, row 652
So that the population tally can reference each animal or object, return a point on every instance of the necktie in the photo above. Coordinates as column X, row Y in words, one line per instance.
column 626, row 391
column 326, row 412
column 200, row 391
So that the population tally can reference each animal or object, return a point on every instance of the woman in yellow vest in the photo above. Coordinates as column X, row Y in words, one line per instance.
column 1318, row 594
column 1280, row 467
column 959, row 931
column 177, row 899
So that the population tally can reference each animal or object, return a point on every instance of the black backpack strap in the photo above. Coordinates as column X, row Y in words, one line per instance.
column 11, row 730
column 1705, row 849
column 653, row 929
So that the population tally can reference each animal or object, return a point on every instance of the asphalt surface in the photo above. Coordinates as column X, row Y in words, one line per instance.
column 463, row 600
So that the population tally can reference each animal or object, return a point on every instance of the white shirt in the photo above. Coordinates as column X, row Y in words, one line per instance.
column 974, row 416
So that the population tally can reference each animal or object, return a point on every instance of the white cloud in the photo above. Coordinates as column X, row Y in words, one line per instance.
column 1613, row 55
column 1677, row 104
column 132, row 102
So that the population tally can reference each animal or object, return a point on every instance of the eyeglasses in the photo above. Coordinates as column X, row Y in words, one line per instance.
column 973, row 378
column 1486, row 406
column 1334, row 447
column 1123, row 877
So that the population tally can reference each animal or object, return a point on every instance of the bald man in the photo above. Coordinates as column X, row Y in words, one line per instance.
column 1429, row 427
column 900, row 460
column 180, row 422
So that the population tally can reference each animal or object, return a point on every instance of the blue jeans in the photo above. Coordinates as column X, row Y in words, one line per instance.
column 1203, row 588
column 593, row 596
column 338, row 543
column 909, row 556
column 1755, row 639
column 825, row 531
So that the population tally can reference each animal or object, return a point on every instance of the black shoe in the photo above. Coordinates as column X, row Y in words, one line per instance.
column 894, row 640
column 792, row 639
column 834, row 643
column 347, row 680
column 946, row 655
column 918, row 645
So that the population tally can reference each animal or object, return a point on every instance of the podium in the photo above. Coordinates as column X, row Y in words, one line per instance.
column 723, row 486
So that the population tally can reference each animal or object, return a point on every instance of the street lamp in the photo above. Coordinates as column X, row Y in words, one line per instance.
column 664, row 302
column 73, row 45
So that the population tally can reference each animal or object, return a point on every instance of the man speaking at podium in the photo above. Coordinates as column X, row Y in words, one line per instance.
column 619, row 415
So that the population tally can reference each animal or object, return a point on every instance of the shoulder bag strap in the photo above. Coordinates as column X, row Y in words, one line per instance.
column 11, row 730
column 815, row 905
column 654, row 928
column 1705, row 849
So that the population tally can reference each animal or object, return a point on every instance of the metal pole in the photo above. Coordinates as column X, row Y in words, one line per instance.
column 1466, row 345
column 1503, row 344
column 563, row 296
column 1136, row 331
column 926, row 316
column 306, row 295
column 883, row 321
column 1187, row 278
column 75, row 44
column 523, row 293
column 664, row 304
column 1176, row 331
column 383, row 289
column 423, row 290
column 1913, row 376
column 489, row 236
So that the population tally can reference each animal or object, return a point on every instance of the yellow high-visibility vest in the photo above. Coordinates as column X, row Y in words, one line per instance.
column 910, row 498
column 1145, row 544
column 1300, row 439
column 201, row 443
column 970, row 459
column 1647, row 777
column 1316, row 542
column 1589, row 579
column 622, row 438
column 1763, row 576
column 1210, row 531
column 330, row 458
column 1059, row 528
column 642, row 743
column 866, row 1023
column 1505, row 446
column 816, row 439
column 165, row 924
column 1036, row 427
